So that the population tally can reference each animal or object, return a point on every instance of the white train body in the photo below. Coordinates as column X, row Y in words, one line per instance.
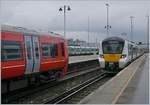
column 115, row 53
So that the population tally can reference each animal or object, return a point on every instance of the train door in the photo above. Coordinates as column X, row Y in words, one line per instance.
column 32, row 54
column 132, row 52
column 29, row 54
column 36, row 54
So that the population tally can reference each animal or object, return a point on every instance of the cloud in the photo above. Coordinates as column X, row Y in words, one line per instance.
column 45, row 15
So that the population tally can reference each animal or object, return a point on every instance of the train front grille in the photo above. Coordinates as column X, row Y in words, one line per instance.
column 112, row 66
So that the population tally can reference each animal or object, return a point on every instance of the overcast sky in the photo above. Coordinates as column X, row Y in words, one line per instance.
column 45, row 15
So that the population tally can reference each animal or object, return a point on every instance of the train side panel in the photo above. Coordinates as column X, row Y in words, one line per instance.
column 115, row 53
column 124, row 58
column 54, row 61
column 12, row 63
column 66, row 58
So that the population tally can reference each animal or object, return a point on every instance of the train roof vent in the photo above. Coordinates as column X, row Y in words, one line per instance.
column 114, row 38
column 10, row 28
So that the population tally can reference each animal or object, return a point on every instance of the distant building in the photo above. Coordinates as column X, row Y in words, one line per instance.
column 78, row 42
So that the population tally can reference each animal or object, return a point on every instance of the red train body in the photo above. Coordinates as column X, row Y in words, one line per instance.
column 25, row 52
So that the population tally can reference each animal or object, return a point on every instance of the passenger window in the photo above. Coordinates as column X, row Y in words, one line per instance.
column 62, row 49
column 11, row 50
column 49, row 50
column 130, row 49
column 36, row 50
column 46, row 50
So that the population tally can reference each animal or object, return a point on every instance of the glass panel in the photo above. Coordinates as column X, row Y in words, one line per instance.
column 46, row 50
column 36, row 50
column 112, row 47
column 49, row 50
column 28, row 49
column 11, row 50
column 130, row 49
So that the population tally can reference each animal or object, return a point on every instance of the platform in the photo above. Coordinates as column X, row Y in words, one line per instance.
column 116, row 90
column 137, row 92
column 76, row 59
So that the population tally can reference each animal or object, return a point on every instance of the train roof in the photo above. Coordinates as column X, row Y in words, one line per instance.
column 10, row 28
column 114, row 38
column 118, row 38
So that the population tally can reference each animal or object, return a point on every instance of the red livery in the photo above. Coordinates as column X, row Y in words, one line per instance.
column 25, row 52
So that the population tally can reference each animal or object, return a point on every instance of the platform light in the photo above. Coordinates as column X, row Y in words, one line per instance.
column 65, row 8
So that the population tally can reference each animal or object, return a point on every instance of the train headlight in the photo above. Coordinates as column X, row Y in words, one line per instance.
column 123, row 56
column 101, row 56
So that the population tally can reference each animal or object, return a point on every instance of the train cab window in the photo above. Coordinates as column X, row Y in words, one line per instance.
column 54, row 50
column 112, row 47
column 46, row 50
column 11, row 50
column 62, row 49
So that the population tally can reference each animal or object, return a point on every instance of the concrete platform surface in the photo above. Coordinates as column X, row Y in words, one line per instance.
column 110, row 92
column 137, row 92
column 75, row 59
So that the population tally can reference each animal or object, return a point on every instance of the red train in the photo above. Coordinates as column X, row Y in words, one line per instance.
column 27, row 52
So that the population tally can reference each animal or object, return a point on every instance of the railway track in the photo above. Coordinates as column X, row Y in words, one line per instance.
column 15, row 96
column 72, row 95
column 87, row 65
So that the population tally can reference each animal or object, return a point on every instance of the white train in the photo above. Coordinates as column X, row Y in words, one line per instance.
column 115, row 53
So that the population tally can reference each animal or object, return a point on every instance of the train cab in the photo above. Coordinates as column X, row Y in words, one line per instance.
column 115, row 53
column 112, row 54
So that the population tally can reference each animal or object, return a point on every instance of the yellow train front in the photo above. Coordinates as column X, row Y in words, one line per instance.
column 115, row 53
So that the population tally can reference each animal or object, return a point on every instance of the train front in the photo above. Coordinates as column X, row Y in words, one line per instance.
column 111, row 54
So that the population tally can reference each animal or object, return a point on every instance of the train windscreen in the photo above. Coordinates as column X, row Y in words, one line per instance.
column 112, row 47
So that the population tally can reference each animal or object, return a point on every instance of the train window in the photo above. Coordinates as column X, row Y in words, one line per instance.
column 130, row 49
column 11, row 50
column 49, row 50
column 134, row 50
column 54, row 49
column 46, row 50
column 62, row 49
column 28, row 49
column 111, row 47
column 36, row 50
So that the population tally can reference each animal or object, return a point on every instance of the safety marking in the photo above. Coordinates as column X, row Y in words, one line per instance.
column 53, row 61
column 126, row 84
column 12, row 66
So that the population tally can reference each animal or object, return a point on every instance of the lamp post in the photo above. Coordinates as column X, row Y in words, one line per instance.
column 131, row 19
column 107, row 26
column 147, row 33
column 65, row 8
column 88, row 29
